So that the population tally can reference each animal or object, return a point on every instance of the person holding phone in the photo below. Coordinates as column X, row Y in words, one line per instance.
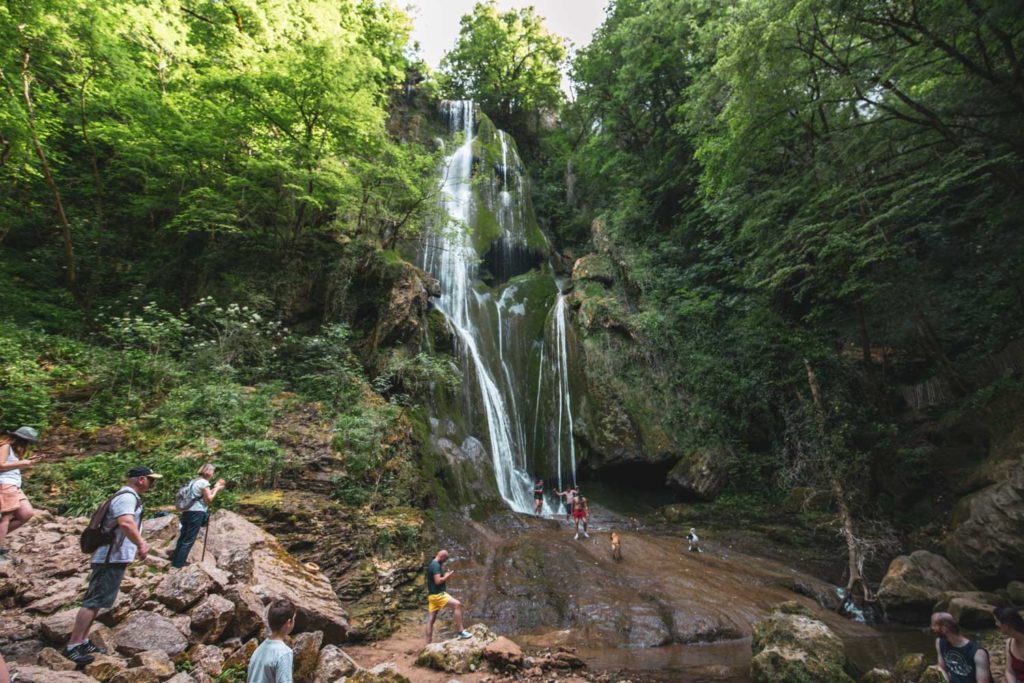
column 438, row 598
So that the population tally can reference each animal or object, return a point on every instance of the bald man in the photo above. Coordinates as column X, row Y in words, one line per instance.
column 438, row 598
column 960, row 659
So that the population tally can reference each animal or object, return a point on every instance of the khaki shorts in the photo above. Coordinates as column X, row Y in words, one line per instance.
column 10, row 497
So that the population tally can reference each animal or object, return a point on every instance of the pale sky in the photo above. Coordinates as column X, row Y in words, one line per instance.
column 436, row 22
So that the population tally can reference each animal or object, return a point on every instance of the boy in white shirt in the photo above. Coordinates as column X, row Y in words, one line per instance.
column 272, row 660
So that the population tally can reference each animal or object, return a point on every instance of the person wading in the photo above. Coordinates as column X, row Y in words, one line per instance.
column 1009, row 621
column 538, row 496
column 960, row 659
column 109, row 561
column 580, row 513
column 15, row 509
column 438, row 598
column 197, row 514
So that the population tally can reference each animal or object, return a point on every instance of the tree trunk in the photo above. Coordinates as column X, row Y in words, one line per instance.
column 69, row 252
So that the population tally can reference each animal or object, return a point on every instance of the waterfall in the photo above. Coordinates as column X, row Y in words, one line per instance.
column 487, row 255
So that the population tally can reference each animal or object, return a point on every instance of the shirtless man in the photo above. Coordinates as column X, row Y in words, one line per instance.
column 567, row 496
column 580, row 513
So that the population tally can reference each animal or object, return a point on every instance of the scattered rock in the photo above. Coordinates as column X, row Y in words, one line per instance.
column 305, row 649
column 143, row 631
column 106, row 667
column 161, row 530
column 38, row 674
column 209, row 659
column 157, row 661
column 103, row 637
column 879, row 676
column 248, row 611
column 58, row 595
column 932, row 674
column 455, row 655
column 212, row 617
column 243, row 653
column 180, row 678
column 333, row 664
column 274, row 573
column 386, row 672
column 915, row 582
column 909, row 667
column 54, row 660
column 503, row 655
column 56, row 628
column 184, row 587
column 794, row 647
column 135, row 675
column 972, row 609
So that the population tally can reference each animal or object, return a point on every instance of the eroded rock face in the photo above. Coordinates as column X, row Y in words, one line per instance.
column 701, row 474
column 455, row 655
column 794, row 647
column 273, row 573
column 986, row 543
column 915, row 582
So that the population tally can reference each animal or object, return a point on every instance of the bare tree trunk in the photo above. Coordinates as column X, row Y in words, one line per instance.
column 855, row 556
column 69, row 253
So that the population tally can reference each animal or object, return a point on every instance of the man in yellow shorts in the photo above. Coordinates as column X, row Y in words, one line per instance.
column 438, row 598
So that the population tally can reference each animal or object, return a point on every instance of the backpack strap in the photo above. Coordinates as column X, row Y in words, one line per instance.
column 138, row 504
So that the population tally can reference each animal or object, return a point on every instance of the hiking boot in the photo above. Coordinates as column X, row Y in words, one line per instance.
column 89, row 648
column 464, row 634
column 77, row 655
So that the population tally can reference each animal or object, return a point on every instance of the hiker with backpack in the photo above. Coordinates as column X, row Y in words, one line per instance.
column 193, row 501
column 114, row 537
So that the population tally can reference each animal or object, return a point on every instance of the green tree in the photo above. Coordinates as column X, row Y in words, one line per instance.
column 508, row 62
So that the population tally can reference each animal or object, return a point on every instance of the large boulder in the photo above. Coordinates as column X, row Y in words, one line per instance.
column 701, row 474
column 184, row 587
column 971, row 609
column 985, row 541
column 211, row 617
column 248, row 619
column 915, row 582
column 258, row 559
column 157, row 661
column 795, row 647
column 144, row 630
column 305, row 655
column 455, row 655
column 504, row 655
column 39, row 674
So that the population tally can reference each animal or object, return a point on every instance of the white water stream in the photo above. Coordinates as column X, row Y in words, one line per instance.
column 484, row 325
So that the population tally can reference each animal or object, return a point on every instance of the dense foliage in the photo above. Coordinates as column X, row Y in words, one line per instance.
column 507, row 62
column 793, row 185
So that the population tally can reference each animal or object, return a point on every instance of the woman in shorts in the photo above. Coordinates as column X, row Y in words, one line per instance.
column 15, row 509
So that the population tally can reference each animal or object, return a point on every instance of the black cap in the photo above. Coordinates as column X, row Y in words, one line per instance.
column 143, row 471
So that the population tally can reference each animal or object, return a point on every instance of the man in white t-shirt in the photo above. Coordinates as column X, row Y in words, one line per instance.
column 197, row 514
column 124, row 518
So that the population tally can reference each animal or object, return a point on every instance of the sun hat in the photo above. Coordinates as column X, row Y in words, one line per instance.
column 25, row 434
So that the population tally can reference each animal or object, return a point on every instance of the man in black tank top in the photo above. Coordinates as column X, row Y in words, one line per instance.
column 961, row 660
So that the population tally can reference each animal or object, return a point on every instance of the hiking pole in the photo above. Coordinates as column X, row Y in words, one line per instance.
column 206, row 535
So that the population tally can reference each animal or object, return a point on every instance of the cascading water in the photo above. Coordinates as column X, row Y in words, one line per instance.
column 503, row 306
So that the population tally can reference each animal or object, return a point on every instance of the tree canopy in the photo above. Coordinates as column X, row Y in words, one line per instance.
column 508, row 62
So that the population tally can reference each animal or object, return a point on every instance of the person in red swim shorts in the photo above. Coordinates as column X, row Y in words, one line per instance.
column 580, row 513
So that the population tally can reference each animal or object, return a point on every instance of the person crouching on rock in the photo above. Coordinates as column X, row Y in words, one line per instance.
column 124, row 519
column 15, row 509
column 196, row 515
column 438, row 598
column 272, row 660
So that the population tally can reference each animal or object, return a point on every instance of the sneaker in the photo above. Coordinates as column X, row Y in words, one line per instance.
column 577, row 537
column 586, row 535
column 89, row 648
column 76, row 655
column 464, row 634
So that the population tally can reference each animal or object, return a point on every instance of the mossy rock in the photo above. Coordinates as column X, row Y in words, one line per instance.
column 909, row 667
column 782, row 663
column 880, row 676
column 794, row 607
column 595, row 267
column 932, row 675
column 1015, row 592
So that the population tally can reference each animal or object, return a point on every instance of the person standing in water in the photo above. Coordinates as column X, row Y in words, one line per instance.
column 538, row 497
column 960, row 659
